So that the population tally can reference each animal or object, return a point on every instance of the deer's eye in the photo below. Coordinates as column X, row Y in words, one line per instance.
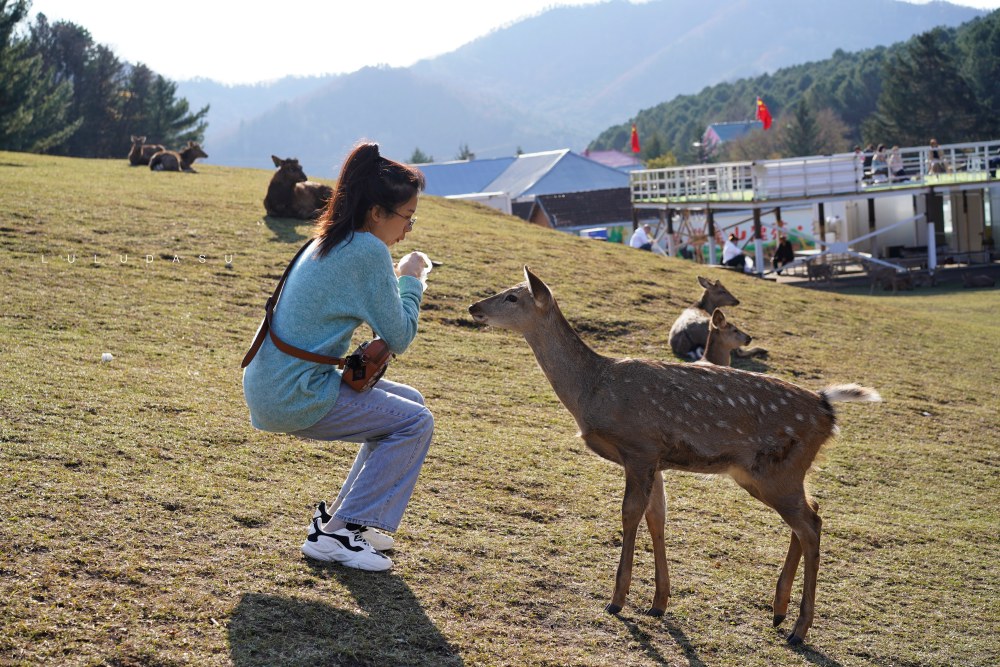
column 511, row 298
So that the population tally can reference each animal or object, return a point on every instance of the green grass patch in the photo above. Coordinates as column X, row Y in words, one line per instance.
column 146, row 522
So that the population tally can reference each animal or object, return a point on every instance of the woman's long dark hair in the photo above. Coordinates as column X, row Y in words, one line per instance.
column 367, row 179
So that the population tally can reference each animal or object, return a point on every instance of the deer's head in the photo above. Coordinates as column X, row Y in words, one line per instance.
column 518, row 308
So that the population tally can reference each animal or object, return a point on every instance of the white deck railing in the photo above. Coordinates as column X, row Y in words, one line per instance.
column 814, row 176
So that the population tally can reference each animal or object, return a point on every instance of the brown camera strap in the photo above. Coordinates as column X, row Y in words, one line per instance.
column 265, row 328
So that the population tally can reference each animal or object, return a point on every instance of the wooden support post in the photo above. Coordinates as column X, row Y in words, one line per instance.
column 822, row 226
column 871, row 225
column 710, row 217
column 671, row 250
column 934, row 210
column 758, row 246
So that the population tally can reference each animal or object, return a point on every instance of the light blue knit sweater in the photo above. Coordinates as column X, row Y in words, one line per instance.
column 321, row 304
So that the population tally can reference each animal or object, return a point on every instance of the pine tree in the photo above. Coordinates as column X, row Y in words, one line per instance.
column 33, row 105
column 171, row 118
column 419, row 157
column 980, row 44
column 923, row 96
column 111, row 100
column 801, row 132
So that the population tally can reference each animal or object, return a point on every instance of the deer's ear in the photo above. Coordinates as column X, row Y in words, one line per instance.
column 539, row 290
column 704, row 282
column 718, row 319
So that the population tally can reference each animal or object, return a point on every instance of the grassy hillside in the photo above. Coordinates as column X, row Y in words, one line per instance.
column 146, row 523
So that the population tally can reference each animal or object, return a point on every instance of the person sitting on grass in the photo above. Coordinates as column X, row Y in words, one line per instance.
column 732, row 255
column 642, row 238
column 783, row 254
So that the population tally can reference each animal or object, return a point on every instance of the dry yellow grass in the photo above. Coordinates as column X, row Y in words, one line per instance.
column 146, row 523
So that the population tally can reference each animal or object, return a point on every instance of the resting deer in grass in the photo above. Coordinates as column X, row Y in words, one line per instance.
column 291, row 195
column 649, row 416
column 689, row 333
column 140, row 152
column 725, row 338
column 177, row 160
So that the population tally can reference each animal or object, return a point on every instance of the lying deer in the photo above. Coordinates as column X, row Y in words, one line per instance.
column 650, row 416
column 689, row 333
column 177, row 160
column 725, row 338
column 140, row 152
column 291, row 195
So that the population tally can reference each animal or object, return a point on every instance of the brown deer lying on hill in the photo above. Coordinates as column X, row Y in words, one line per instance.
column 649, row 416
column 141, row 152
column 725, row 338
column 177, row 160
column 291, row 195
column 689, row 333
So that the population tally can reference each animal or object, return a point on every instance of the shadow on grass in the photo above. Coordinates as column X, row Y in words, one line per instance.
column 644, row 639
column 691, row 653
column 286, row 229
column 815, row 657
column 754, row 365
column 381, row 623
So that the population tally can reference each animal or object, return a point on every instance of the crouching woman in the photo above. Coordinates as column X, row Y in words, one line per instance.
column 345, row 279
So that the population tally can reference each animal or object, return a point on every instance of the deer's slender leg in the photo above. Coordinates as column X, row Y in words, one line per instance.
column 806, row 524
column 656, row 514
column 783, row 591
column 637, row 487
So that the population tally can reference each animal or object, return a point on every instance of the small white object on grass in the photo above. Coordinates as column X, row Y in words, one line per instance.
column 106, row 357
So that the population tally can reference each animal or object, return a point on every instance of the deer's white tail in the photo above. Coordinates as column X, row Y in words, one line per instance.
column 850, row 392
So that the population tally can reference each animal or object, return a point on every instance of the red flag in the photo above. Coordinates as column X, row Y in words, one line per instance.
column 635, row 139
column 763, row 115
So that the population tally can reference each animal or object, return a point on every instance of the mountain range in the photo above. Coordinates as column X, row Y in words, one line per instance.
column 555, row 80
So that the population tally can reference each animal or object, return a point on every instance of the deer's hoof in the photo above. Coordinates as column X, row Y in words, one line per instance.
column 654, row 612
column 613, row 608
column 778, row 618
column 794, row 640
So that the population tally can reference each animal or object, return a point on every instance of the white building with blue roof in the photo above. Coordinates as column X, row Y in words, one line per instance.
column 522, row 178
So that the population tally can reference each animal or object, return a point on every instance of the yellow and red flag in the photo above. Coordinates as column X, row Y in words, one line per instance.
column 763, row 115
column 635, row 139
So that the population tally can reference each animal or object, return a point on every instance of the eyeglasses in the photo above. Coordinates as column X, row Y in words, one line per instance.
column 409, row 221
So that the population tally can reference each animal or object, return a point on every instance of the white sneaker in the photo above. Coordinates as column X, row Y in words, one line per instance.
column 346, row 547
column 379, row 540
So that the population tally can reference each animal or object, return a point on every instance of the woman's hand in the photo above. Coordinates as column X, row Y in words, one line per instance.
column 415, row 264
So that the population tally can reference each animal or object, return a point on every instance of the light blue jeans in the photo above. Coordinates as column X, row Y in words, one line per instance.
column 394, row 429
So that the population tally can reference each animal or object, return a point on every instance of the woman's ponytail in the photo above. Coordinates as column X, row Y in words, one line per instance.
column 367, row 179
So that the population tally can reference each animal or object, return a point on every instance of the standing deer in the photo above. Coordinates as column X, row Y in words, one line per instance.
column 723, row 339
column 649, row 416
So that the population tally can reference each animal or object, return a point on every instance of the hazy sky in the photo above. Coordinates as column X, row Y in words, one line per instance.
column 262, row 40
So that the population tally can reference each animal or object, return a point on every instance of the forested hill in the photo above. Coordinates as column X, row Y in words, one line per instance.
column 556, row 79
column 941, row 83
